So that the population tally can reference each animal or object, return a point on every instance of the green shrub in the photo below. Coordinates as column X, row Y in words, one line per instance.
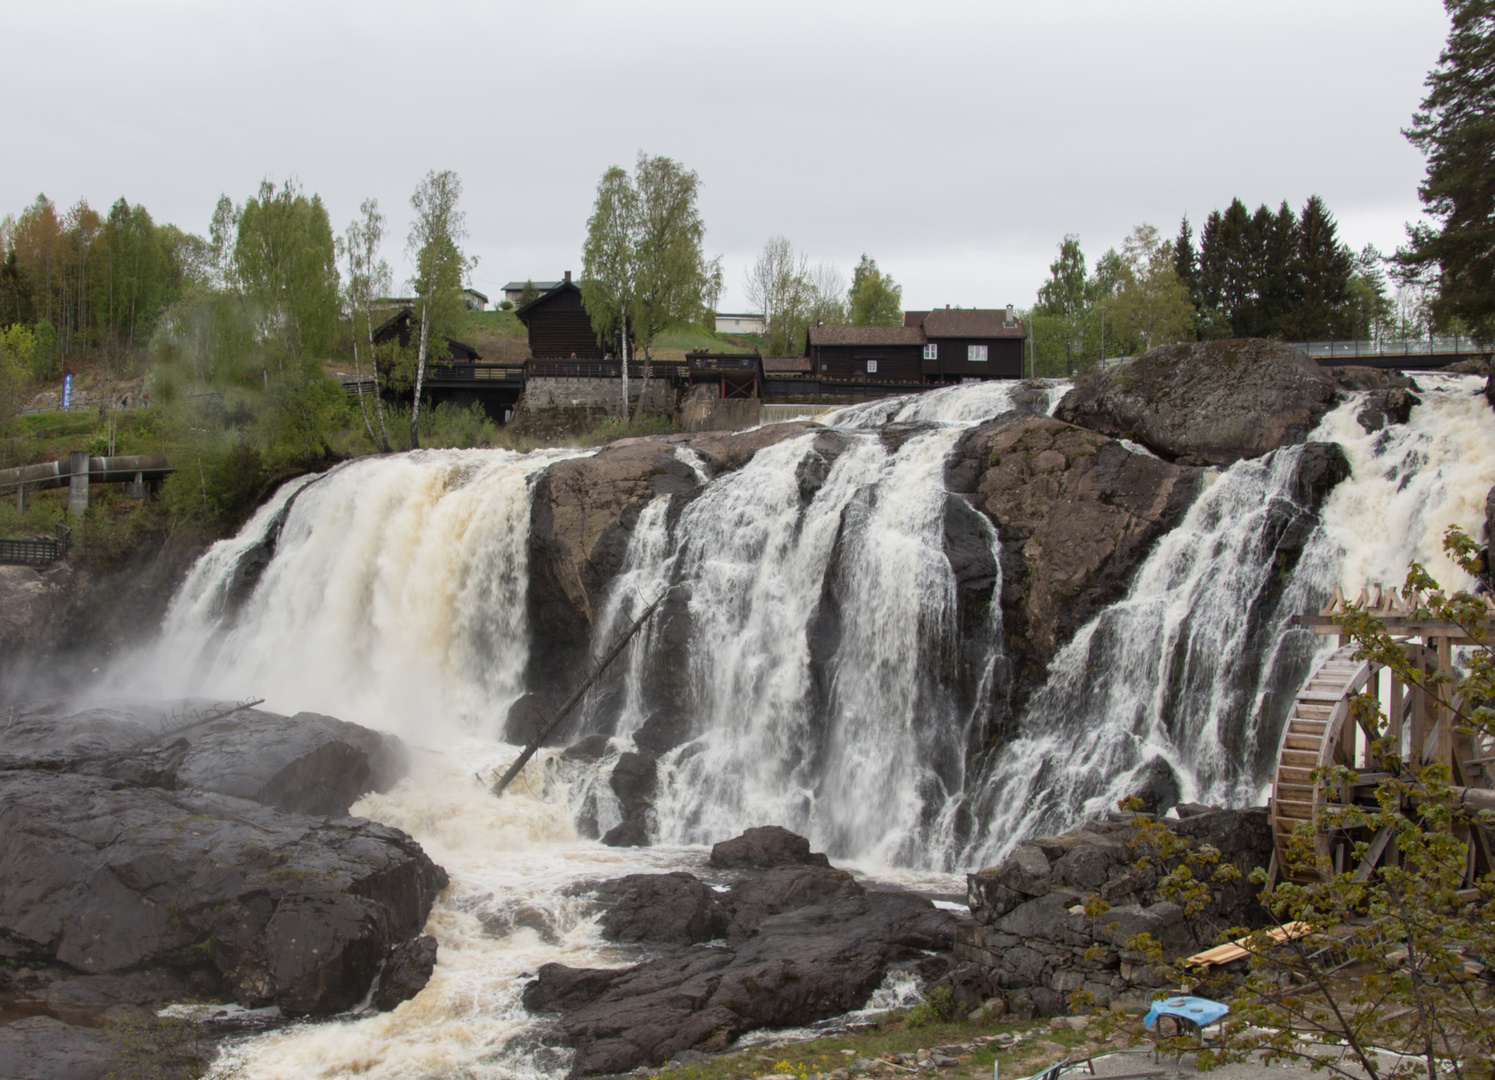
column 937, row 1007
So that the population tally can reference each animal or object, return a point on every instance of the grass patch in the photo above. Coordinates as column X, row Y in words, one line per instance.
column 1033, row 1045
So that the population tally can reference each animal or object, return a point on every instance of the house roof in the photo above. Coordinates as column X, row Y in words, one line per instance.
column 558, row 287
column 518, row 286
column 866, row 335
column 914, row 318
column 971, row 323
column 480, row 296
column 783, row 364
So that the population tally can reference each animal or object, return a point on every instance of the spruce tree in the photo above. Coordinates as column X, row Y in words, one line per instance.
column 1186, row 261
column 1236, row 267
column 1322, row 271
column 1455, row 129
column 1278, row 288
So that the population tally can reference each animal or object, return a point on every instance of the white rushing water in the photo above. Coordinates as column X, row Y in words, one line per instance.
column 831, row 687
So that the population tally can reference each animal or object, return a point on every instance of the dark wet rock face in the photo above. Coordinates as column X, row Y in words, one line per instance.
column 765, row 847
column 664, row 909
column 1076, row 512
column 210, row 850
column 804, row 942
column 406, row 972
column 1383, row 407
column 1353, row 377
column 41, row 1048
column 1032, row 938
column 1207, row 402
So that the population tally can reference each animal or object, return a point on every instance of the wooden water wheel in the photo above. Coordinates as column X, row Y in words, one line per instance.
column 1322, row 731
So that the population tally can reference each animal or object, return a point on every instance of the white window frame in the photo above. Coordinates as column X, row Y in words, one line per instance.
column 976, row 354
column 871, row 367
column 932, row 351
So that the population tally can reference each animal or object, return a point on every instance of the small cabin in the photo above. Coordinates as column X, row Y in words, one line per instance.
column 558, row 324
column 401, row 326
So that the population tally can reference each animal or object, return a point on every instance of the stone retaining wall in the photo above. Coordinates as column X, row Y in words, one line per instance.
column 548, row 393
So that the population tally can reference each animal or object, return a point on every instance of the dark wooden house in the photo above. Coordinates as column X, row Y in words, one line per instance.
column 880, row 352
column 401, row 325
column 558, row 324
column 970, row 343
column 942, row 346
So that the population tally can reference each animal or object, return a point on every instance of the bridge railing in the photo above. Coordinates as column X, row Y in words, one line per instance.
column 38, row 551
column 1426, row 346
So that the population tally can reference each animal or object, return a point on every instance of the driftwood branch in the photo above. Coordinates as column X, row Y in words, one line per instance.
column 576, row 697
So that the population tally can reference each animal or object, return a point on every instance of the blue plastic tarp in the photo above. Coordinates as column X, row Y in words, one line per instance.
column 1199, row 1011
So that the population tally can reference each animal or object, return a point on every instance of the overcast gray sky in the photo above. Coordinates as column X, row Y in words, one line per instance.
column 955, row 142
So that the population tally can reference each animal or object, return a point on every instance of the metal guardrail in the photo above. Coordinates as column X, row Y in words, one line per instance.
column 597, row 369
column 36, row 552
column 474, row 373
column 1428, row 346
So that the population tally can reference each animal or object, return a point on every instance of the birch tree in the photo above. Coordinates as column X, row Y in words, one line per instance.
column 368, row 275
column 642, row 265
column 440, row 268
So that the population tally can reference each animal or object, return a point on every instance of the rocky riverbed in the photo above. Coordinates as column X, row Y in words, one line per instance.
column 158, row 851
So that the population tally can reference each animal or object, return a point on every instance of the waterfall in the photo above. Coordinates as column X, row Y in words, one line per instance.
column 833, row 662
column 1196, row 668
column 396, row 597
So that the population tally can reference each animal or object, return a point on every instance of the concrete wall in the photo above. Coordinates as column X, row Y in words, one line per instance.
column 595, row 394
column 703, row 410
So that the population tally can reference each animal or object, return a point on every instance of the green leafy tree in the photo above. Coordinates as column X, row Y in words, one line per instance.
column 1151, row 306
column 441, row 270
column 643, row 267
column 285, row 266
column 1455, row 129
column 1064, row 294
column 875, row 298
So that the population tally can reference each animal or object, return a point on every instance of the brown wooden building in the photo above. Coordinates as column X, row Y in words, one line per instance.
column 971, row 343
column 401, row 326
column 558, row 324
column 847, row 352
column 943, row 346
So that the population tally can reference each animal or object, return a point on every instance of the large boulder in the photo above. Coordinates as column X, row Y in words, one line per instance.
column 1207, row 402
column 764, row 847
column 796, row 967
column 661, row 909
column 283, row 908
column 1076, row 512
column 307, row 763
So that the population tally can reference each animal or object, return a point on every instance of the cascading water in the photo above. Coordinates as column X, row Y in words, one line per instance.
column 832, row 686
column 396, row 595
column 1196, row 667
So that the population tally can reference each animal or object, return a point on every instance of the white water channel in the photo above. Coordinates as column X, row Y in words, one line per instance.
column 396, row 599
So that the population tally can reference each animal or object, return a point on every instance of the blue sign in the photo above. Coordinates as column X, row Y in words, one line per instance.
column 67, row 392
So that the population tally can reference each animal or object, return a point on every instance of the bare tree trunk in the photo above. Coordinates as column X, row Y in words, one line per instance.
column 420, row 375
column 374, row 363
column 358, row 374
column 644, row 389
column 625, row 365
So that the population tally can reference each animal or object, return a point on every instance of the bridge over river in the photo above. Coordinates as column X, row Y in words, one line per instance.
column 1410, row 354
